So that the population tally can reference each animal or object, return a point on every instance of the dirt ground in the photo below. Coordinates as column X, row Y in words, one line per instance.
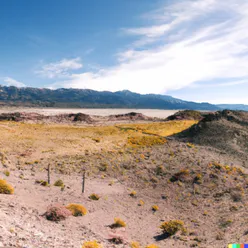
column 199, row 185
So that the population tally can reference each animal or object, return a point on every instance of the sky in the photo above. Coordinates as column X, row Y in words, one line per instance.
column 195, row 50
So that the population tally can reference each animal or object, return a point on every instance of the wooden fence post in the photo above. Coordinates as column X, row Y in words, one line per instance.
column 48, row 174
column 83, row 182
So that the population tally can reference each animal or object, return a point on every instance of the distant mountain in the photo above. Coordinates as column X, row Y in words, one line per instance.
column 233, row 106
column 85, row 98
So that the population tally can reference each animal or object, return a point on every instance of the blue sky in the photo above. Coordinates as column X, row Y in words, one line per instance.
column 191, row 49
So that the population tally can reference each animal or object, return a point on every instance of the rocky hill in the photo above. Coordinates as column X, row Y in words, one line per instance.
column 225, row 130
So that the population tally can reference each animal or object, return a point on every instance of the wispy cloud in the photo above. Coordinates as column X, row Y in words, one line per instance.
column 187, row 42
column 12, row 82
column 60, row 68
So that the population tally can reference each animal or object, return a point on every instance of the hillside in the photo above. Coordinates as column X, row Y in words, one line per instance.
column 85, row 98
column 225, row 130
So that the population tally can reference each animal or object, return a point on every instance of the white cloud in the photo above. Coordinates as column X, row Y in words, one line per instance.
column 12, row 82
column 60, row 68
column 192, row 41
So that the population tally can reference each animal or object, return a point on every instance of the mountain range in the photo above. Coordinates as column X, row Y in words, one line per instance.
column 86, row 98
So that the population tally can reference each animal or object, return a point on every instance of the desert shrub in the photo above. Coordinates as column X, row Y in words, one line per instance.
column 111, row 183
column 224, row 223
column 154, row 180
column 103, row 167
column 152, row 246
column 91, row 244
column 160, row 170
column 172, row 227
column 97, row 140
column 116, row 238
column 135, row 244
column 233, row 208
column 59, row 183
column 155, row 208
column 6, row 188
column 190, row 145
column 198, row 179
column 42, row 182
column 6, row 173
column 57, row 213
column 77, row 209
column 94, row 197
column 133, row 193
column 118, row 222
column 237, row 194
column 146, row 141
column 182, row 175
column 141, row 203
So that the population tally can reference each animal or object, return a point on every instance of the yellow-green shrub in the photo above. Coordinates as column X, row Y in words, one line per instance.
column 94, row 197
column 6, row 173
column 59, row 183
column 172, row 227
column 133, row 193
column 6, row 188
column 118, row 222
column 152, row 246
column 155, row 208
column 135, row 244
column 77, row 209
column 141, row 203
column 91, row 244
column 42, row 182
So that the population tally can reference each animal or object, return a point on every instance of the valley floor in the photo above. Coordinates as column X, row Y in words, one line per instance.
column 201, row 186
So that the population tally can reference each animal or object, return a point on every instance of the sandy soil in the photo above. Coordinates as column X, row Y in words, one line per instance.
column 202, row 186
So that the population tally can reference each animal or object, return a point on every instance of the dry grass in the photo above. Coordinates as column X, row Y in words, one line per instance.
column 33, row 143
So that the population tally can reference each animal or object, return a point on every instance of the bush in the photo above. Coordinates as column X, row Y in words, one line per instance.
column 198, row 179
column 42, row 182
column 94, row 197
column 77, row 209
column 5, row 188
column 57, row 212
column 59, row 183
column 190, row 145
column 6, row 173
column 135, row 244
column 133, row 193
column 155, row 208
column 182, row 175
column 118, row 223
column 172, row 227
column 91, row 244
column 160, row 170
column 152, row 246
column 103, row 167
